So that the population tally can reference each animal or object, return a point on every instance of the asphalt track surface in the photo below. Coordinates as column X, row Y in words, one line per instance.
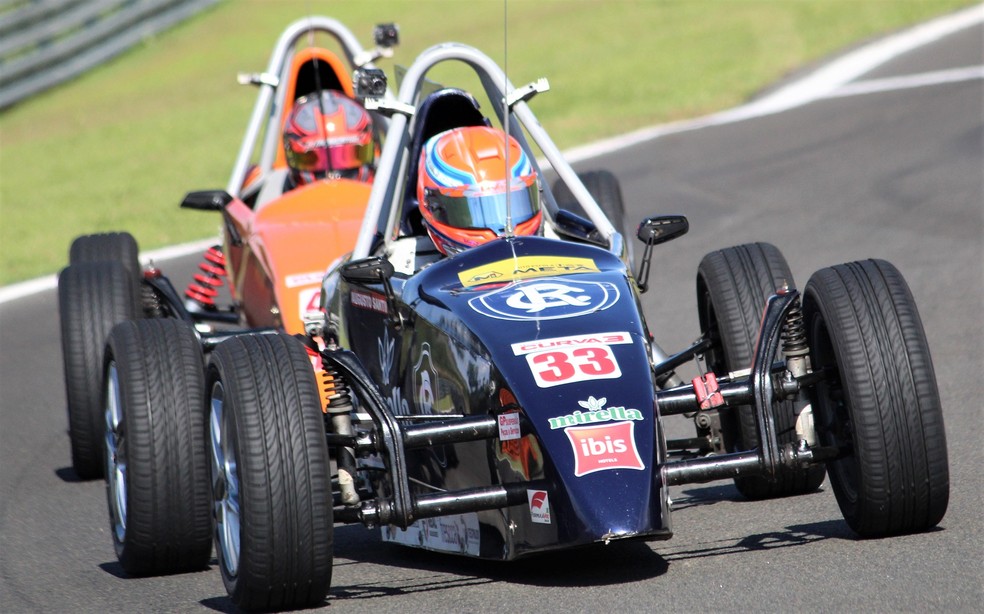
column 893, row 174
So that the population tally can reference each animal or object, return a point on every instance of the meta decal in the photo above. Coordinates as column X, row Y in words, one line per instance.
column 525, row 267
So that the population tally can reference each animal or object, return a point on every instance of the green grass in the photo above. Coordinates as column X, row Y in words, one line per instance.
column 118, row 148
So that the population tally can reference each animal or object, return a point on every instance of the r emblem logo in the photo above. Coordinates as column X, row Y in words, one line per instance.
column 536, row 298
column 546, row 299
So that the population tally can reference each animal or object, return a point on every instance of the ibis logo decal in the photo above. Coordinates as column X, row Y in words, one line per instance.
column 604, row 447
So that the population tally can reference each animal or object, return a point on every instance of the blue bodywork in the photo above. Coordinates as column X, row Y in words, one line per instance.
column 546, row 331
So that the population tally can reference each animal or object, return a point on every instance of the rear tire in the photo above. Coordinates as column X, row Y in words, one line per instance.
column 110, row 246
column 92, row 298
column 157, row 466
column 880, row 403
column 271, row 480
column 733, row 285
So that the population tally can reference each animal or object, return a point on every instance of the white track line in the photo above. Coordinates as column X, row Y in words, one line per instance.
column 814, row 86
column 826, row 82
column 938, row 77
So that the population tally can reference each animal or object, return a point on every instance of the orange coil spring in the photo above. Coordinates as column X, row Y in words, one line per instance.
column 331, row 385
column 205, row 287
column 326, row 386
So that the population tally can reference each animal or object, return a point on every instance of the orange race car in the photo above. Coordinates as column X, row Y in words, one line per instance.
column 293, row 204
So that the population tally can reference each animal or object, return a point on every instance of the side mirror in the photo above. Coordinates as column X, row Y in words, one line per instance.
column 372, row 270
column 214, row 200
column 653, row 231
column 662, row 228
column 206, row 200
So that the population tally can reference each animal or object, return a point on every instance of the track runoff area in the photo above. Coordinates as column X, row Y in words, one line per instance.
column 832, row 80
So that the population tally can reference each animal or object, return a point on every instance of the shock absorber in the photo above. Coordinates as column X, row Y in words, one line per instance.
column 794, row 345
column 797, row 352
column 336, row 403
column 204, row 289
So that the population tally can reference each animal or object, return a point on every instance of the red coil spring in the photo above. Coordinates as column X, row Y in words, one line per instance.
column 204, row 289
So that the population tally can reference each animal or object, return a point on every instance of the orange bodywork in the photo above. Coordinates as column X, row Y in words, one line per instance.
column 287, row 245
column 275, row 269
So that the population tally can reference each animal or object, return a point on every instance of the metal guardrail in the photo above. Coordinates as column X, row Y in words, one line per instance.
column 47, row 42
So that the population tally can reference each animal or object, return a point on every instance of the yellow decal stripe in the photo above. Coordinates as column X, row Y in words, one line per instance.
column 525, row 267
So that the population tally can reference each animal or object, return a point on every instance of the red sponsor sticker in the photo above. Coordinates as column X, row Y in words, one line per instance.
column 509, row 426
column 599, row 448
column 539, row 506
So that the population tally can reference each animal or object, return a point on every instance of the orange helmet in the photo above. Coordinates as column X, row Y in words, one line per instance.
column 328, row 137
column 463, row 187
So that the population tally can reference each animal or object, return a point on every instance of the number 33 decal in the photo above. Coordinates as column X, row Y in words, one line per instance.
column 568, row 365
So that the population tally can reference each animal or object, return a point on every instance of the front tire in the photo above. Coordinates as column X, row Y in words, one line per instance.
column 733, row 285
column 271, row 482
column 92, row 298
column 157, row 467
column 880, row 403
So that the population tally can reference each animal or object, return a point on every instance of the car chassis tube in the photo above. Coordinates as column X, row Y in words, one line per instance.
column 393, row 438
column 757, row 389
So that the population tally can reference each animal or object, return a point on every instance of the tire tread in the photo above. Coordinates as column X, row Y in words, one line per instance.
column 737, row 281
column 161, row 375
column 92, row 297
column 286, row 500
column 886, row 371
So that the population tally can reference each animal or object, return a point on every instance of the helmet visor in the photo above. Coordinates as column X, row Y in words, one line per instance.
column 313, row 156
column 478, row 210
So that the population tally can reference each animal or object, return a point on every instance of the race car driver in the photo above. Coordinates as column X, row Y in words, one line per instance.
column 328, row 136
column 463, row 186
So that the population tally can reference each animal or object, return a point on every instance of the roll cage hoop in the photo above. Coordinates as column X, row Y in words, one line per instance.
column 270, row 103
column 382, row 221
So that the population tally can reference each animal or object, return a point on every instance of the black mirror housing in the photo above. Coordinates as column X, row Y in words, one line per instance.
column 372, row 270
column 661, row 228
column 653, row 231
column 206, row 200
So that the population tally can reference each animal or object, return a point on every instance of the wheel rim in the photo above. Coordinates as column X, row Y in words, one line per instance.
column 116, row 466
column 225, row 482
column 835, row 427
